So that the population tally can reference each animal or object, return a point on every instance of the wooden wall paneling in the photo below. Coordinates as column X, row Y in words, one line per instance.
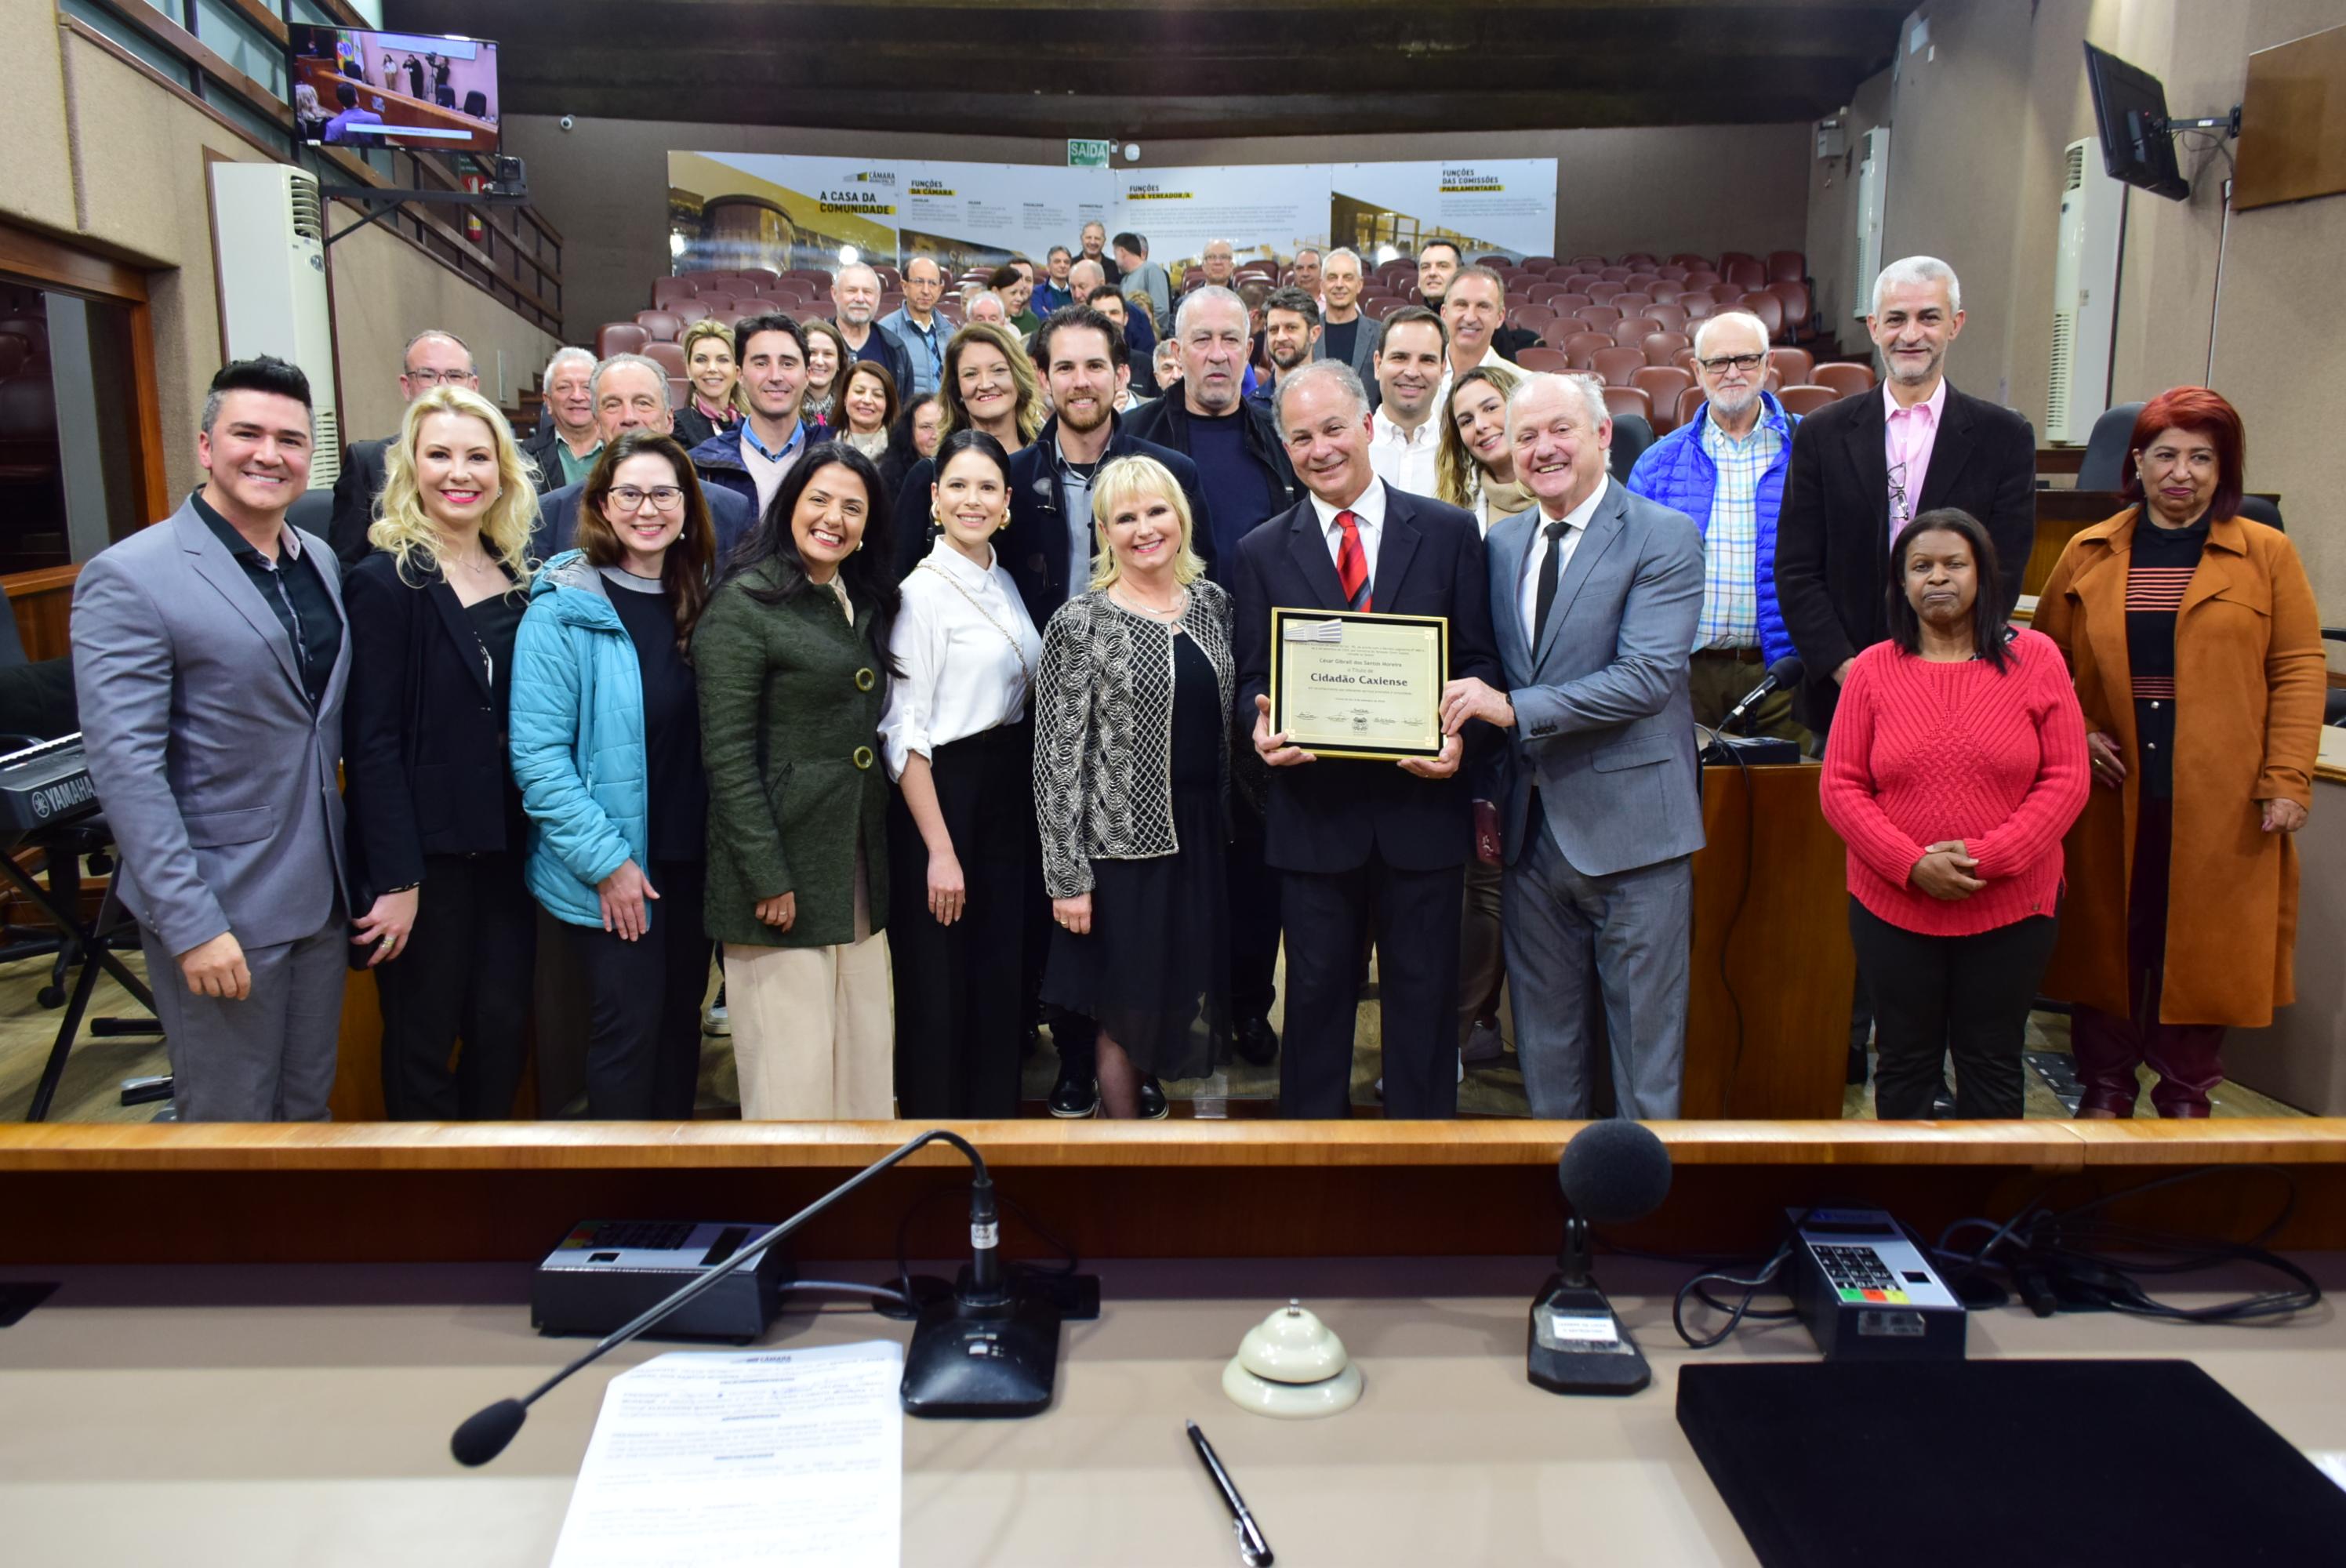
column 2293, row 122
column 42, row 601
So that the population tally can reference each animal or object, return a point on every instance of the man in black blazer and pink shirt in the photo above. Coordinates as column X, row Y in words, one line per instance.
column 1355, row 841
column 1865, row 466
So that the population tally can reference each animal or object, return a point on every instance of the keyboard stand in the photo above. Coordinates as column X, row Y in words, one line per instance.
column 94, row 956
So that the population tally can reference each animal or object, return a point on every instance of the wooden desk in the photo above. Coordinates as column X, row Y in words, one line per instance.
column 300, row 1418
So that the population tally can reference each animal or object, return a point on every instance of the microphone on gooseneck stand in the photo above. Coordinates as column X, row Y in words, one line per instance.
column 985, row 1348
column 1783, row 674
column 1612, row 1173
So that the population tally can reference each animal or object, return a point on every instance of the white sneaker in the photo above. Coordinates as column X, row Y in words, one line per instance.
column 718, row 1024
column 1461, row 1066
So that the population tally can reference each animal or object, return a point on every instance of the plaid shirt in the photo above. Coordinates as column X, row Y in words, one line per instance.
column 1730, row 545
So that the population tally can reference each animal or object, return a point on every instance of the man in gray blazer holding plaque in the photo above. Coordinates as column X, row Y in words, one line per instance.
column 1594, row 596
column 211, row 655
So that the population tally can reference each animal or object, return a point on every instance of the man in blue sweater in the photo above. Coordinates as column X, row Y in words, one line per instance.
column 1725, row 468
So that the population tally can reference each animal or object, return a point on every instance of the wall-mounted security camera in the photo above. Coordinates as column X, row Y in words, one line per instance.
column 1132, row 152
column 569, row 122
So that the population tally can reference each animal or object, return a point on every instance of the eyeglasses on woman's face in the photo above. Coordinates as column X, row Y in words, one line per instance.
column 663, row 497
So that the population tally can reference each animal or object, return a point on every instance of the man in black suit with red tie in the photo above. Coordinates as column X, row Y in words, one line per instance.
column 1358, row 841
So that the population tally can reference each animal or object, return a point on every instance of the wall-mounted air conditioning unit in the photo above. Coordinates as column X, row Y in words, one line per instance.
column 1872, row 199
column 2085, row 295
column 271, row 274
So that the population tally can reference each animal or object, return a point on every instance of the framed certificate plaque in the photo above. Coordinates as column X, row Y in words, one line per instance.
column 1347, row 683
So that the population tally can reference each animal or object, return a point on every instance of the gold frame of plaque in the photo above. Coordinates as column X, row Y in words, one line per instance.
column 1438, row 645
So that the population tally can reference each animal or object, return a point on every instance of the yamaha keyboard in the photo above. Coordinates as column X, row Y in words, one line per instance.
column 45, row 786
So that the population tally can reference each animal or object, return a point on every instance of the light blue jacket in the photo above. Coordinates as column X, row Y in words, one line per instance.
column 1677, row 472
column 578, row 740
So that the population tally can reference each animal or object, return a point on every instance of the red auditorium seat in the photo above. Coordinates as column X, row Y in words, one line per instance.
column 1542, row 293
column 1379, row 308
column 1787, row 267
column 1690, row 261
column 1845, row 377
column 669, row 357
column 1539, row 263
column 1689, row 404
column 1631, row 302
column 1567, row 304
column 1590, row 263
column 1662, row 384
column 1683, row 359
column 1697, row 306
column 1794, row 298
column 667, row 292
column 1615, row 366
column 1701, row 277
column 619, row 337
column 1543, row 360
column 1598, row 317
column 1638, row 259
column 1531, row 318
column 1662, row 291
column 1662, row 348
column 1744, row 271
column 1603, row 290
column 1630, row 330
column 1620, row 400
column 1805, row 401
column 1671, row 272
column 1579, row 346
column 1672, row 316
column 1794, row 365
column 1642, row 282
column 664, row 326
column 1614, row 275
column 1769, row 309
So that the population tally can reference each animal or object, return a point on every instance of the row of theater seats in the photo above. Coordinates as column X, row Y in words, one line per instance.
column 1660, row 371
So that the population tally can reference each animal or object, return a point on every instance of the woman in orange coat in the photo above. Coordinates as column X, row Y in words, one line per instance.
column 2197, row 648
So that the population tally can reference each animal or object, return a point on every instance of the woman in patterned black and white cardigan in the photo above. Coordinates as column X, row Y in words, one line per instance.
column 1132, row 767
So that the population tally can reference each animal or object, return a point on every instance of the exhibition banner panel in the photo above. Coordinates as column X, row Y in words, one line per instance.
column 1268, row 210
column 1483, row 205
column 782, row 210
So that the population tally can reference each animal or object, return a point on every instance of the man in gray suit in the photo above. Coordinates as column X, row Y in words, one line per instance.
column 1594, row 594
column 211, row 655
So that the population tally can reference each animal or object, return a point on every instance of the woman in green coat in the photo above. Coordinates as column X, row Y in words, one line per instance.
column 791, row 653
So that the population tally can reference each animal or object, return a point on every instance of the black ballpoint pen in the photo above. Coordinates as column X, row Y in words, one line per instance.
column 1253, row 1550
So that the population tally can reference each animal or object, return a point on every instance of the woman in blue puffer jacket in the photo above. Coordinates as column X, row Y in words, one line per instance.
column 605, row 739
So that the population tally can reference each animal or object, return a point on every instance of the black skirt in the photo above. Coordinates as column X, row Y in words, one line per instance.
column 1154, row 971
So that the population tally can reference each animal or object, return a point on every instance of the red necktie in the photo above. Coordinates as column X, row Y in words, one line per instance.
column 1352, row 564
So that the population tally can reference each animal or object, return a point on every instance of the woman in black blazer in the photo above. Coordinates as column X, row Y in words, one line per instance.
column 436, row 830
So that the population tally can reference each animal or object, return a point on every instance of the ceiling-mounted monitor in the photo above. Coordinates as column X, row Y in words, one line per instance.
column 423, row 91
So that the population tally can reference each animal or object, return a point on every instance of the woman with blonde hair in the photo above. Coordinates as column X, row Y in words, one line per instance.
column 436, row 830
column 1473, row 465
column 827, row 357
column 989, row 384
column 1132, row 770
column 716, row 402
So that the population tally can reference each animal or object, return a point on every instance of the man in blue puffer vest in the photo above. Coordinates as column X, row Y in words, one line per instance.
column 1725, row 468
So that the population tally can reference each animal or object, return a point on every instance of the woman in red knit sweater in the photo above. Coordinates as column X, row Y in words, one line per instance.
column 1955, row 763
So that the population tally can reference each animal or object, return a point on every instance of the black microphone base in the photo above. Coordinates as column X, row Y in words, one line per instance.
column 1751, row 750
column 1576, row 1345
column 981, row 1361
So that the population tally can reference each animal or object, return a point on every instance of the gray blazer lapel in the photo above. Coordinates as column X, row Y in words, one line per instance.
column 215, row 565
column 1310, row 552
column 1603, row 529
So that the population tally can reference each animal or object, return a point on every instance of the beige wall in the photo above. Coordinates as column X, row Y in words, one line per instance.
column 1665, row 187
column 102, row 155
column 1979, row 127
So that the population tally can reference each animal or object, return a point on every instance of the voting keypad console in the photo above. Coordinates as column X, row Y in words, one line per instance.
column 1866, row 1291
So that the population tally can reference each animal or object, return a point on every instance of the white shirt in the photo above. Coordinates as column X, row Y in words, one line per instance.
column 1575, row 524
column 1405, row 459
column 953, row 639
column 1368, row 520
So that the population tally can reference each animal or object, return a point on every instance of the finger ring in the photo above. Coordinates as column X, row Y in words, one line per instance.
column 383, row 941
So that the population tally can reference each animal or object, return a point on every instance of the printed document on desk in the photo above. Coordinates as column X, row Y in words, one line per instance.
column 744, row 1459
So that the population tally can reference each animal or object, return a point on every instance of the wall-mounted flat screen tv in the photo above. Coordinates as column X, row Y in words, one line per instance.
column 424, row 91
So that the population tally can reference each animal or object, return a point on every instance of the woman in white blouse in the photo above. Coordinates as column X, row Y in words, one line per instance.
column 958, row 744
